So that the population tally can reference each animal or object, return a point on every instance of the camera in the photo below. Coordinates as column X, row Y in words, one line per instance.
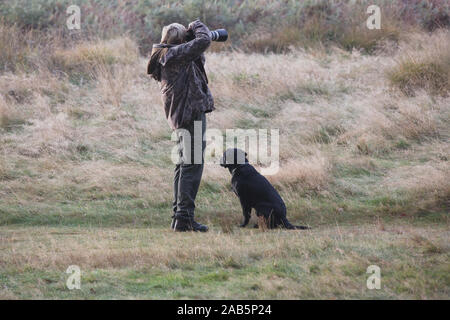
column 219, row 35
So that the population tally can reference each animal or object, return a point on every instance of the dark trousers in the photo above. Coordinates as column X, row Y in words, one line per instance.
column 189, row 169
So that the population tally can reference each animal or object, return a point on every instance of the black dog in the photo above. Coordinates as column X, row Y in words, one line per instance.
column 254, row 191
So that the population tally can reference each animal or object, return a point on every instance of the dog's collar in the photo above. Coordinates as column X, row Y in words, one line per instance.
column 237, row 167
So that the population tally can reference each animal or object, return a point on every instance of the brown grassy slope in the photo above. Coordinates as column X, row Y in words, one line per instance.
column 343, row 128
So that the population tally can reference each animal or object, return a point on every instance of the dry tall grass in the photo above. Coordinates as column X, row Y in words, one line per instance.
column 331, row 109
column 93, row 58
column 14, row 50
column 261, row 26
column 429, row 69
column 428, row 185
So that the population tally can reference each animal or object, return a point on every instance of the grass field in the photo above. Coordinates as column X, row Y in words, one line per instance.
column 328, row 262
column 85, row 172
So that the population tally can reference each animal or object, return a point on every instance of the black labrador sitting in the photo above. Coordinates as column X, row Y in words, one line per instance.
column 255, row 191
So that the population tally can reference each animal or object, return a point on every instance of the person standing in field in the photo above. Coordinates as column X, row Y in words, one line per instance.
column 178, row 65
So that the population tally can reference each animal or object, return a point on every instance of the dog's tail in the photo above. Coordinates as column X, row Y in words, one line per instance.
column 290, row 226
column 301, row 228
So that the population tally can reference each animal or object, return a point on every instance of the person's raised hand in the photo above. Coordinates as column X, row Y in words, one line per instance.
column 193, row 24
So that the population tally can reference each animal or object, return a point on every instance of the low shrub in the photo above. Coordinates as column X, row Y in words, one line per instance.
column 84, row 60
column 15, row 50
column 429, row 71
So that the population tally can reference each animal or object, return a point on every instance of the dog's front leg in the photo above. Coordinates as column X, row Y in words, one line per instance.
column 246, row 211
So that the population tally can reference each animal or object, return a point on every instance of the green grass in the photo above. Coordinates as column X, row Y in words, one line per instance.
column 329, row 262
